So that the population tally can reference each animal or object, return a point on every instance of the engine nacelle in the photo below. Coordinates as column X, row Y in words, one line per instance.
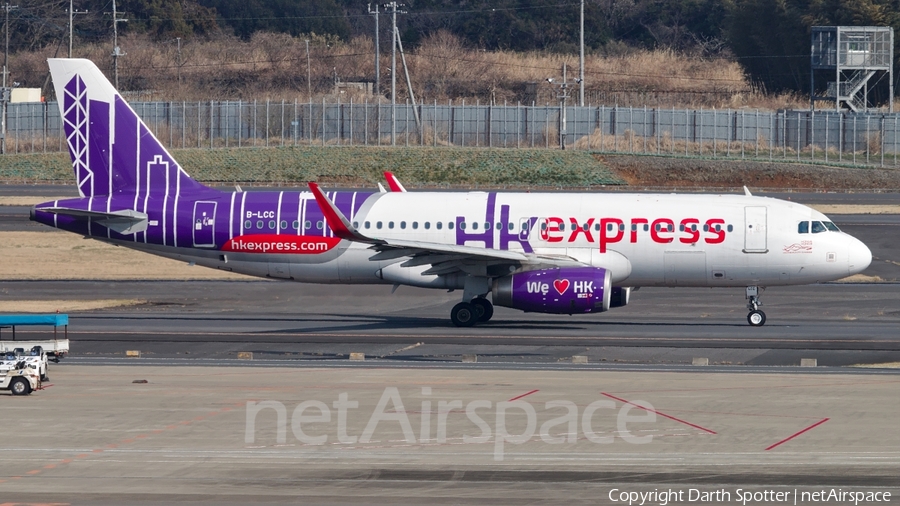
column 565, row 290
column 620, row 296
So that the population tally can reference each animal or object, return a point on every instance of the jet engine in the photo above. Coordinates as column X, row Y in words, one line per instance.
column 564, row 290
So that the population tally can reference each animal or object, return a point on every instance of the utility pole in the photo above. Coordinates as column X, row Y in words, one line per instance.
column 562, row 95
column 393, row 7
column 581, row 61
column 308, row 74
column 72, row 13
column 178, row 57
column 377, row 52
column 116, row 52
column 5, row 92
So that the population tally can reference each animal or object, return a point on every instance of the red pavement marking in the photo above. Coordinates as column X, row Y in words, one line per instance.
column 670, row 417
column 813, row 426
column 523, row 395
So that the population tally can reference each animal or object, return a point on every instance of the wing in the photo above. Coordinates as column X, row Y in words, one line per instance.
column 443, row 258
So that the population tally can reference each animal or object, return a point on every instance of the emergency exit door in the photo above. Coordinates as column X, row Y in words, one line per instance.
column 755, row 229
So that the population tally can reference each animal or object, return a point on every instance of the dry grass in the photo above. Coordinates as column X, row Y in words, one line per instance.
column 855, row 209
column 63, row 306
column 27, row 201
column 62, row 255
column 273, row 66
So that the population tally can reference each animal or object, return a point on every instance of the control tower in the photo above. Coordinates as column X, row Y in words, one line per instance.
column 854, row 55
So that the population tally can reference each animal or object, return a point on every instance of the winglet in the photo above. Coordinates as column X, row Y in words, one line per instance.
column 747, row 191
column 335, row 218
column 393, row 182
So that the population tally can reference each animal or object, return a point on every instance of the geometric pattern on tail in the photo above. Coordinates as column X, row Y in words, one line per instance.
column 75, row 121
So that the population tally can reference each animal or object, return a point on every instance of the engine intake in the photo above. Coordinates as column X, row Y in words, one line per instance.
column 565, row 290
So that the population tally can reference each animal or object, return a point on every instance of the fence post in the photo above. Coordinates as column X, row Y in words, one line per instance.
column 656, row 126
column 743, row 136
column 826, row 138
column 756, row 152
column 267, row 122
column 700, row 150
column 211, row 105
column 324, row 117
column 867, row 138
column 881, row 137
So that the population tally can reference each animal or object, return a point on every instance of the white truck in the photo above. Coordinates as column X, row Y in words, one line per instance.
column 20, row 377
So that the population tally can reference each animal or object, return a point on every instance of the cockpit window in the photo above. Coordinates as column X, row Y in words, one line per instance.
column 818, row 227
column 831, row 226
column 803, row 227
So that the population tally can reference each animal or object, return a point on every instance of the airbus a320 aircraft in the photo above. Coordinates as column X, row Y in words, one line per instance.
column 563, row 253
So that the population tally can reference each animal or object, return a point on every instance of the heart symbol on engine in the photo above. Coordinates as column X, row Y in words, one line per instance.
column 561, row 285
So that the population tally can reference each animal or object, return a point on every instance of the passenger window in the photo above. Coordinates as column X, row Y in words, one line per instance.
column 284, row 224
column 415, row 225
column 499, row 226
column 609, row 227
column 440, row 224
column 718, row 228
column 427, row 225
column 525, row 226
column 248, row 224
column 378, row 225
column 510, row 226
column 730, row 228
column 450, row 225
column 295, row 225
column 646, row 227
column 573, row 227
column 621, row 227
column 403, row 224
column 462, row 225
column 259, row 224
column 544, row 226
column 367, row 224
column 803, row 227
column 319, row 225
column 487, row 226
column 597, row 227
column 272, row 225
column 391, row 224
column 818, row 227
column 474, row 225
column 307, row 225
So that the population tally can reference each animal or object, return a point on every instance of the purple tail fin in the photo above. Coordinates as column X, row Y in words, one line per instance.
column 112, row 150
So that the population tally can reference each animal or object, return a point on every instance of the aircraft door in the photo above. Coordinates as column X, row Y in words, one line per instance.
column 204, row 224
column 755, row 229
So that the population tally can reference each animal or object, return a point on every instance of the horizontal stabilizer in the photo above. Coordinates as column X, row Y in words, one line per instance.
column 124, row 222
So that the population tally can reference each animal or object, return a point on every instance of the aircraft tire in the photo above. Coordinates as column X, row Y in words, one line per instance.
column 756, row 318
column 464, row 315
column 484, row 309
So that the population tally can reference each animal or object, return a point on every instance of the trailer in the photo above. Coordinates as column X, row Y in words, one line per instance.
column 55, row 349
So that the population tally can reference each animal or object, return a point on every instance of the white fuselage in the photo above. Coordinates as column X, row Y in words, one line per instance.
column 643, row 239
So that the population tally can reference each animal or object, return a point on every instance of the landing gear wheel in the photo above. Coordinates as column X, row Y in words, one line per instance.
column 20, row 386
column 483, row 308
column 464, row 315
column 756, row 318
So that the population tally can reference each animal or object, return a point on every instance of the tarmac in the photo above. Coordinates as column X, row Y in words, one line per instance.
column 226, row 435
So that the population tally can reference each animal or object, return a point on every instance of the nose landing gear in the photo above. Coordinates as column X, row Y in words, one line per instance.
column 756, row 317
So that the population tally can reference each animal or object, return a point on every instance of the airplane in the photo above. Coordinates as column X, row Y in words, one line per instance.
column 558, row 253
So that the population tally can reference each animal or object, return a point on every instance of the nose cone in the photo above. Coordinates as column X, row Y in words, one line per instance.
column 858, row 256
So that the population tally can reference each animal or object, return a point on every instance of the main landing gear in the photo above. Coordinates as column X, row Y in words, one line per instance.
column 467, row 314
column 756, row 317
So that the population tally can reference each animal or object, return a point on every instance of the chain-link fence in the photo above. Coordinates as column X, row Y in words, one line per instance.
column 820, row 136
